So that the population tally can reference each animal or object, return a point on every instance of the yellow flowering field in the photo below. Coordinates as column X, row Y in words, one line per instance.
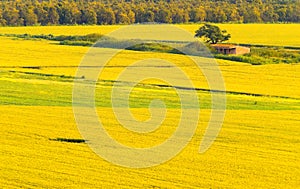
column 264, row 34
column 258, row 150
column 257, row 147
column 59, row 30
column 55, row 59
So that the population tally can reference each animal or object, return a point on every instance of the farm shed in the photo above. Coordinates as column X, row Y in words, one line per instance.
column 231, row 49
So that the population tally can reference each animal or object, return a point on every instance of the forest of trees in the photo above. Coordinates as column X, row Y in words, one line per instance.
column 102, row 12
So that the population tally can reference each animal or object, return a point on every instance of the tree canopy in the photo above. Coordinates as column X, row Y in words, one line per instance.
column 212, row 34
column 56, row 12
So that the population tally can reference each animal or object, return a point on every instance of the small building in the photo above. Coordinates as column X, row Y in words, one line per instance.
column 231, row 49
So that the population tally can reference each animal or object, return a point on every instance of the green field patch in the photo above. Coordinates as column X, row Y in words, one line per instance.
column 40, row 90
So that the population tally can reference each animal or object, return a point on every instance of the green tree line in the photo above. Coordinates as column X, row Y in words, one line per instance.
column 104, row 12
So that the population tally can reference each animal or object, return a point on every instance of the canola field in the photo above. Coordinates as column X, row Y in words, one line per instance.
column 260, row 34
column 263, row 34
column 257, row 147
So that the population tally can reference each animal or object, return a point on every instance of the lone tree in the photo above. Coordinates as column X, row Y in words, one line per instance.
column 212, row 34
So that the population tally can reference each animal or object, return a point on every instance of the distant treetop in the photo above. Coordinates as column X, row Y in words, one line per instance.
column 69, row 12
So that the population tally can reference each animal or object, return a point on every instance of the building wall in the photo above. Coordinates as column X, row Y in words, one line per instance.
column 232, row 51
column 238, row 50
column 242, row 50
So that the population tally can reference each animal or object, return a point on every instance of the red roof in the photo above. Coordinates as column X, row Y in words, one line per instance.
column 226, row 46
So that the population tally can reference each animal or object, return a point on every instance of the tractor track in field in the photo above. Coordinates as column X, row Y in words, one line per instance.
column 72, row 78
column 227, row 92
